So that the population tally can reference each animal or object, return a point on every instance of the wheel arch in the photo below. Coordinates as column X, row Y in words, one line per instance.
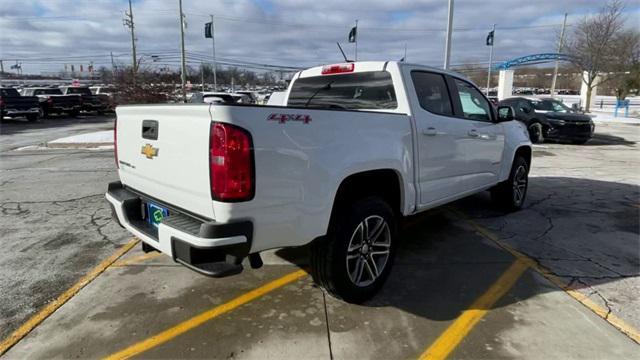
column 386, row 183
column 524, row 151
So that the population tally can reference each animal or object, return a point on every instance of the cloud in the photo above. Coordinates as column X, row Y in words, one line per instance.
column 47, row 34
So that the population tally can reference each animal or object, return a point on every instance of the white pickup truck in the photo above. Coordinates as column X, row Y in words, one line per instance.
column 358, row 147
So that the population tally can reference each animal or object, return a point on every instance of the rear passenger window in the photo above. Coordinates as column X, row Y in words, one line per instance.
column 432, row 92
column 474, row 105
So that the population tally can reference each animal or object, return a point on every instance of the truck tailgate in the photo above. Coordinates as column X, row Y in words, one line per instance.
column 173, row 165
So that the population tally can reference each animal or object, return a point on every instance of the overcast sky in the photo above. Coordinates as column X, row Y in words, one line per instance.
column 46, row 34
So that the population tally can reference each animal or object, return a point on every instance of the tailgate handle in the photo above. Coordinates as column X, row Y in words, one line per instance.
column 150, row 129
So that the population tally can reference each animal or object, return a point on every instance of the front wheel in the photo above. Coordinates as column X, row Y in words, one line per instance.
column 354, row 260
column 536, row 133
column 511, row 193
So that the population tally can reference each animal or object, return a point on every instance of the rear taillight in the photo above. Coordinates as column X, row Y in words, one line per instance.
column 1, row 101
column 231, row 169
column 115, row 142
column 338, row 68
column 50, row 100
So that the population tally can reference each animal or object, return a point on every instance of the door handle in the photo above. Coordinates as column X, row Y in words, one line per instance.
column 473, row 133
column 430, row 131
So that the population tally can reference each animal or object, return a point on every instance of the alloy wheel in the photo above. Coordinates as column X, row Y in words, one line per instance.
column 368, row 250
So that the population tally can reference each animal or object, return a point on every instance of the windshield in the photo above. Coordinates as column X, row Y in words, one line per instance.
column 9, row 93
column 47, row 92
column 366, row 90
column 550, row 105
column 83, row 91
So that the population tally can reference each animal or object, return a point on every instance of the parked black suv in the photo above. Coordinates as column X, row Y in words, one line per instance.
column 548, row 118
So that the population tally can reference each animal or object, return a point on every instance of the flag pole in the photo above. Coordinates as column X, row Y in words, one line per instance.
column 213, row 48
column 356, row 40
column 493, row 32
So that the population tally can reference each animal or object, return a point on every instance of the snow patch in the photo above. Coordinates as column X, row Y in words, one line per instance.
column 99, row 137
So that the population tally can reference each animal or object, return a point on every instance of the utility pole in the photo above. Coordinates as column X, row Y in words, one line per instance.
column 447, row 44
column 183, row 65
column 493, row 34
column 215, row 65
column 113, row 65
column 128, row 22
column 555, row 68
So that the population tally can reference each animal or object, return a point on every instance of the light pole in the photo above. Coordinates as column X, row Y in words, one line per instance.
column 183, row 66
column 555, row 68
column 447, row 45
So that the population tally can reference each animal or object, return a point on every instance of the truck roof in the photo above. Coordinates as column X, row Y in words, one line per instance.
column 363, row 66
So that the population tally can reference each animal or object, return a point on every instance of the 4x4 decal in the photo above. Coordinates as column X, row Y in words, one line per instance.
column 283, row 118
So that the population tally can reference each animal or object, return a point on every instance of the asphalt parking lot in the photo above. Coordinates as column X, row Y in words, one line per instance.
column 557, row 280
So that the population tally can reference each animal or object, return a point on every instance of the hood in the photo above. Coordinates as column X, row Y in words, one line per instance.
column 568, row 116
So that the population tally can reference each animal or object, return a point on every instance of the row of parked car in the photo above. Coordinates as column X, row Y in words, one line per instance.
column 39, row 102
column 545, row 118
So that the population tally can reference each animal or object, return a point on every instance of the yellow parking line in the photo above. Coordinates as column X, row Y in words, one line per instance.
column 45, row 312
column 456, row 332
column 200, row 319
column 136, row 259
column 618, row 323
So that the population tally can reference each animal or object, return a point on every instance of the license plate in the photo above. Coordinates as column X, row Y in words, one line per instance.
column 155, row 214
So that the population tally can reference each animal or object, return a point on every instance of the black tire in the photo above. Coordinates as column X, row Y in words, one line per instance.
column 32, row 117
column 511, row 194
column 330, row 266
column 74, row 113
column 536, row 133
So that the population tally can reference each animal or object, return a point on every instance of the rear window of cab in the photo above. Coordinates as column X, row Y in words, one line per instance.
column 353, row 91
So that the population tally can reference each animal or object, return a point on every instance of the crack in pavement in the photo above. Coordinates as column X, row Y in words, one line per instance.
column 596, row 292
column 54, row 202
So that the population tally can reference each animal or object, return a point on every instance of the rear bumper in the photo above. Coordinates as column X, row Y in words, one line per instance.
column 57, row 108
column 210, row 248
column 21, row 112
column 94, row 107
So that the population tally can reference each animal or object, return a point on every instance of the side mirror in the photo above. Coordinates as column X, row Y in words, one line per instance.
column 505, row 113
column 575, row 107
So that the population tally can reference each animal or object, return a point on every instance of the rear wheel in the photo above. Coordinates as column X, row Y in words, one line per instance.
column 511, row 193
column 536, row 133
column 354, row 260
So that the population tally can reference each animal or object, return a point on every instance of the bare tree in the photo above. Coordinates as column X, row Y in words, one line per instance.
column 627, row 78
column 593, row 44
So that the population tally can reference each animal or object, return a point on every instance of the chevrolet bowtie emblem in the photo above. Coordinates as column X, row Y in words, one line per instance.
column 149, row 151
